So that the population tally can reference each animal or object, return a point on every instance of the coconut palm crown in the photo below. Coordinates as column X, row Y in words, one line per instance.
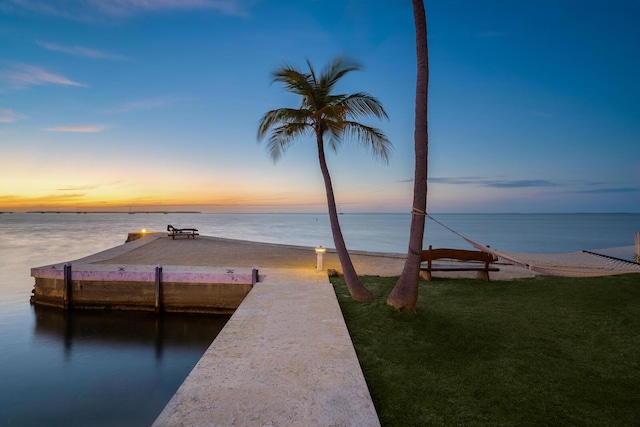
column 325, row 114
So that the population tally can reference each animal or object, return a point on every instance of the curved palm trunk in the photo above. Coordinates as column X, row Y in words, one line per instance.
column 405, row 294
column 356, row 288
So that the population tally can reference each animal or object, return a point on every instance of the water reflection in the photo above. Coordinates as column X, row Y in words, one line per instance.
column 114, row 329
column 99, row 368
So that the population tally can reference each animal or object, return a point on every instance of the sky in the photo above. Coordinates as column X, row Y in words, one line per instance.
column 154, row 105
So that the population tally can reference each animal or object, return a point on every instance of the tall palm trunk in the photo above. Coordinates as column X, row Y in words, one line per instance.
column 356, row 288
column 405, row 294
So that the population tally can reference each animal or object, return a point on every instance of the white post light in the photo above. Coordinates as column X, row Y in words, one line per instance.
column 319, row 263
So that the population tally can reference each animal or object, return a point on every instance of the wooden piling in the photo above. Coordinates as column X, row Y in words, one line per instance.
column 67, row 291
column 158, row 288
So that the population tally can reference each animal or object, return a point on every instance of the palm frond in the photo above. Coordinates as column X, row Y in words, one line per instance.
column 294, row 80
column 281, row 115
column 362, row 104
column 333, row 132
column 335, row 70
column 372, row 138
column 334, row 112
column 312, row 72
column 283, row 136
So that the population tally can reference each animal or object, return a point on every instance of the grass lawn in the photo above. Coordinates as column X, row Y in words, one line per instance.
column 542, row 351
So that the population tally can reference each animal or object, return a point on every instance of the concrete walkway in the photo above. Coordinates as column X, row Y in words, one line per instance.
column 285, row 358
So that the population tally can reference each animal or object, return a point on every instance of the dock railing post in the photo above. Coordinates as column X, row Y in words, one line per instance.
column 67, row 291
column 158, row 287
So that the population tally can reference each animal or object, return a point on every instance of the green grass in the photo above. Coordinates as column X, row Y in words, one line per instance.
column 542, row 351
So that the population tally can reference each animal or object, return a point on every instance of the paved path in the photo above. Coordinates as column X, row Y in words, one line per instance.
column 284, row 359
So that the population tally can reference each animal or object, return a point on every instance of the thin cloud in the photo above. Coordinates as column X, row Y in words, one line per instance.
column 81, row 51
column 494, row 183
column 78, row 188
column 609, row 190
column 101, row 10
column 144, row 104
column 8, row 116
column 24, row 75
column 38, row 6
column 519, row 183
column 80, row 129
column 593, row 187
column 127, row 7
column 48, row 199
column 455, row 181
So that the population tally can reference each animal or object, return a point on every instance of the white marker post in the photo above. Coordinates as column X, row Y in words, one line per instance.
column 319, row 262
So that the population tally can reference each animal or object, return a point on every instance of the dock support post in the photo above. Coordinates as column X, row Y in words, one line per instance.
column 67, row 291
column 254, row 276
column 158, row 288
column 638, row 245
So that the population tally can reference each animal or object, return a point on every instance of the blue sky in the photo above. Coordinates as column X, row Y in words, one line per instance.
column 136, row 104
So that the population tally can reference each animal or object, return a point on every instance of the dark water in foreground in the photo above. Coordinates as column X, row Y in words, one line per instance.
column 88, row 368
column 120, row 369
column 84, row 368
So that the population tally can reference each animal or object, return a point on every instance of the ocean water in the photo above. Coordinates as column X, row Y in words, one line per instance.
column 114, row 368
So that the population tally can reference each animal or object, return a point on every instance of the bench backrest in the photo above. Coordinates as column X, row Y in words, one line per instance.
column 459, row 254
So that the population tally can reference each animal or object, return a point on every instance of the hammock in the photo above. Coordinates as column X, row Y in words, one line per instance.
column 575, row 264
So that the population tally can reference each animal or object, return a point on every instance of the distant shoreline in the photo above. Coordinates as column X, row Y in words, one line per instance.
column 114, row 212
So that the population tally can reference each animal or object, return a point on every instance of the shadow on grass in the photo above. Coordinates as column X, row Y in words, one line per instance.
column 542, row 351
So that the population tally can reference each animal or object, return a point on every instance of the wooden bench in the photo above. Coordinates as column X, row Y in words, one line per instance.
column 479, row 258
column 189, row 233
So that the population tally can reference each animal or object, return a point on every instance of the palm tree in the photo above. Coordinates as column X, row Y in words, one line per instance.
column 323, row 113
column 404, row 295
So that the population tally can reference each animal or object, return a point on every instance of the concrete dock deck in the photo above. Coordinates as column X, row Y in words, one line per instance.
column 285, row 358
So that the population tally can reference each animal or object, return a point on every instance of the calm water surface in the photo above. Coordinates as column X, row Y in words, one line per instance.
column 115, row 368
column 84, row 368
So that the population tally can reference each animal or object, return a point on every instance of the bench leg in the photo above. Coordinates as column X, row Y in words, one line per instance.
column 426, row 275
column 483, row 275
